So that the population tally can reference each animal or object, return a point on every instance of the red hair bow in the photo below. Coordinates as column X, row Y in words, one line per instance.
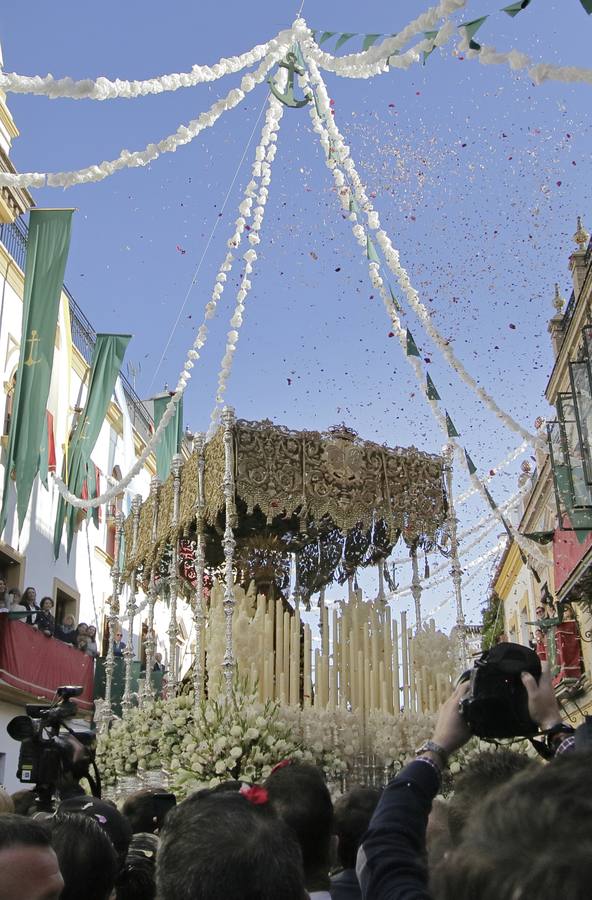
column 255, row 794
column 281, row 765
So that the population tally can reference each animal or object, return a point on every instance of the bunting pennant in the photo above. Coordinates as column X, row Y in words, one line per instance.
column 514, row 8
column 411, row 345
column 587, row 4
column 170, row 442
column 325, row 37
column 470, row 464
column 396, row 303
column 431, row 390
column 471, row 29
column 47, row 451
column 107, row 359
column 47, row 251
column 354, row 206
column 345, row 37
column 430, row 36
column 450, row 427
column 369, row 40
column 371, row 250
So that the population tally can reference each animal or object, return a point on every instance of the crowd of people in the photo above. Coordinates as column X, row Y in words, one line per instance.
column 40, row 615
column 513, row 828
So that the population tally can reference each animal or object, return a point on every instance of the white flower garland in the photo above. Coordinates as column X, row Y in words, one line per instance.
column 267, row 143
column 539, row 72
column 340, row 148
column 510, row 458
column 184, row 135
column 262, row 169
column 470, row 577
column 393, row 260
column 377, row 59
column 104, row 89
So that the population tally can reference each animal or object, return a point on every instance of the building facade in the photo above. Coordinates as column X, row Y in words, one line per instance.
column 31, row 666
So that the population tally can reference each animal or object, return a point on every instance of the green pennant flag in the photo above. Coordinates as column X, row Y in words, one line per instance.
column 47, row 252
column 170, row 442
column 490, row 500
column 411, row 345
column 106, row 363
column 354, row 206
column 369, row 40
column 431, row 389
column 371, row 250
column 540, row 537
column 514, row 8
column 470, row 464
column 587, row 4
column 430, row 36
column 450, row 427
column 396, row 303
column 344, row 38
column 325, row 37
column 471, row 29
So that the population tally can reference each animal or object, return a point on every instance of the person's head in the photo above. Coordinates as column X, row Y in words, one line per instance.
column 139, row 810
column 299, row 796
column 87, row 858
column 15, row 594
column 6, row 802
column 223, row 847
column 118, row 635
column 2, row 585
column 91, row 632
column 106, row 815
column 28, row 863
column 23, row 801
column 68, row 621
column 353, row 812
column 482, row 774
column 530, row 838
column 47, row 604
column 30, row 596
column 137, row 879
column 158, row 657
column 82, row 629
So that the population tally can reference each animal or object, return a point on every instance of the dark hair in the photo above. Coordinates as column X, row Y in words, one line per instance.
column 137, row 879
column 222, row 847
column 25, row 594
column 43, row 599
column 108, row 817
column 24, row 801
column 530, row 838
column 138, row 809
column 15, row 829
column 482, row 774
column 353, row 812
column 87, row 858
column 300, row 797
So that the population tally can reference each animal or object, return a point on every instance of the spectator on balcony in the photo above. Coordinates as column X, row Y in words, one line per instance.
column 158, row 666
column 81, row 636
column 29, row 601
column 66, row 632
column 119, row 644
column 91, row 642
column 4, row 596
column 45, row 620
column 16, row 600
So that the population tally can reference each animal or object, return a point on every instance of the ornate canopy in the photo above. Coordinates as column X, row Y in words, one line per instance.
column 334, row 500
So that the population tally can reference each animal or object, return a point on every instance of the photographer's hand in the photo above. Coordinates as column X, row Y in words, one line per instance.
column 542, row 703
column 451, row 731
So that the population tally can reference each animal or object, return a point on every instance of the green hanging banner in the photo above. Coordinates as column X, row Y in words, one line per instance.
column 431, row 390
column 47, row 251
column 514, row 8
column 471, row 29
column 107, row 360
column 450, row 427
column 470, row 464
column 344, row 38
column 170, row 442
column 371, row 250
column 587, row 4
column 411, row 345
column 369, row 40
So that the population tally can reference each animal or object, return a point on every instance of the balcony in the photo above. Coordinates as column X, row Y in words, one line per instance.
column 14, row 236
column 32, row 665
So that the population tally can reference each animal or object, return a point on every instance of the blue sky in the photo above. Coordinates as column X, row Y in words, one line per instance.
column 478, row 177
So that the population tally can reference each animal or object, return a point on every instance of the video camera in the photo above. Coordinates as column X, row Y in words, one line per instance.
column 51, row 752
column 497, row 704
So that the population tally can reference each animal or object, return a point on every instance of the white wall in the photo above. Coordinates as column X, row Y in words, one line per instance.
column 9, row 748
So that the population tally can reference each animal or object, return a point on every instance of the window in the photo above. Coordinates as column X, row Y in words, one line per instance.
column 11, row 566
column 67, row 601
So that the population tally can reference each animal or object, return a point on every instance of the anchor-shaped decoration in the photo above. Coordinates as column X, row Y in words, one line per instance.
column 288, row 99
